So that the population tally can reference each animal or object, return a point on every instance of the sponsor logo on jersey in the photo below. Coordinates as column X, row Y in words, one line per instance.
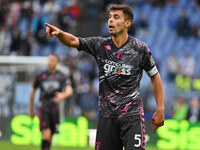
column 50, row 85
column 117, row 68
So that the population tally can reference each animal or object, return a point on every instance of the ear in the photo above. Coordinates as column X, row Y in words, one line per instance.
column 128, row 23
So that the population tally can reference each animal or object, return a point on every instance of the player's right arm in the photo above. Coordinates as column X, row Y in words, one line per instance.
column 64, row 37
column 31, row 102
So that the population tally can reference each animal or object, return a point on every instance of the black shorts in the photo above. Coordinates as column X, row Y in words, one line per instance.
column 114, row 133
column 49, row 118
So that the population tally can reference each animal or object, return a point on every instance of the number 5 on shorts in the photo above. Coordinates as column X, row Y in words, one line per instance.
column 138, row 138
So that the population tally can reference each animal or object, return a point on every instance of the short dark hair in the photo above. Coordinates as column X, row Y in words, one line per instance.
column 55, row 55
column 127, row 10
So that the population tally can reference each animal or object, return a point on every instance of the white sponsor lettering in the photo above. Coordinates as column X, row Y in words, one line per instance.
column 50, row 85
column 113, row 67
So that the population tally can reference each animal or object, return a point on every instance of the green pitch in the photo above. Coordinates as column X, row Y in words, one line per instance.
column 4, row 145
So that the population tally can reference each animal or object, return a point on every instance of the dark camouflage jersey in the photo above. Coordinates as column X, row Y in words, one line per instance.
column 49, row 84
column 120, row 72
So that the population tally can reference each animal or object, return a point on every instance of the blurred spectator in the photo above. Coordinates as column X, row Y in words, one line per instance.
column 194, row 110
column 15, row 42
column 195, row 31
column 5, row 40
column 13, row 14
column 26, row 10
column 183, row 24
column 173, row 2
column 142, row 26
column 3, row 12
column 26, row 46
column 180, row 109
column 63, row 20
column 132, row 30
column 69, row 15
column 38, row 28
column 107, row 2
column 73, row 10
column 159, row 3
column 197, row 4
column 142, row 23
column 133, row 2
column 51, row 7
column 173, row 66
column 74, row 74
column 187, row 65
column 43, row 1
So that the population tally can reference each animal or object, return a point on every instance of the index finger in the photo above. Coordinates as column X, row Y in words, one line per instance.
column 50, row 26
column 154, row 129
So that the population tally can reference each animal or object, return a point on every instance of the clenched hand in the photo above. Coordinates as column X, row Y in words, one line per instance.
column 158, row 119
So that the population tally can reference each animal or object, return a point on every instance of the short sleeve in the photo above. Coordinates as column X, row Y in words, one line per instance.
column 65, row 81
column 147, row 62
column 89, row 45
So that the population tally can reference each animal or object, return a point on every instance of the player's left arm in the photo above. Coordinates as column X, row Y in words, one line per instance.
column 59, row 96
column 158, row 116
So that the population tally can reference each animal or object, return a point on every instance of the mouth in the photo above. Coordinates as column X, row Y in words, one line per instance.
column 111, row 27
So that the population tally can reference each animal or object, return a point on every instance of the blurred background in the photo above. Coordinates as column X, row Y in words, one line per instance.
column 171, row 29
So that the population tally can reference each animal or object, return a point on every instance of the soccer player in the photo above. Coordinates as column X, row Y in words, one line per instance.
column 54, row 87
column 121, row 60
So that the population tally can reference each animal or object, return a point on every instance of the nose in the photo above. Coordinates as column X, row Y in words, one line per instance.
column 110, row 20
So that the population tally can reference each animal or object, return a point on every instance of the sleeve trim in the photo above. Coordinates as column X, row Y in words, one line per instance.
column 152, row 72
column 80, row 44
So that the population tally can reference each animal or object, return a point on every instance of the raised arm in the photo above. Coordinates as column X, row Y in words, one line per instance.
column 64, row 37
column 158, row 117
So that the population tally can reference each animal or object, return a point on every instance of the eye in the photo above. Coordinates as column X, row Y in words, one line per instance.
column 116, row 17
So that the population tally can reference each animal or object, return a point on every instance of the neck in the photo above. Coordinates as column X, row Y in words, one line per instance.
column 120, row 39
column 51, row 71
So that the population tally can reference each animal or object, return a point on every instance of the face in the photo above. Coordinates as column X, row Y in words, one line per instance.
column 181, row 100
column 195, row 102
column 117, row 22
column 52, row 62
